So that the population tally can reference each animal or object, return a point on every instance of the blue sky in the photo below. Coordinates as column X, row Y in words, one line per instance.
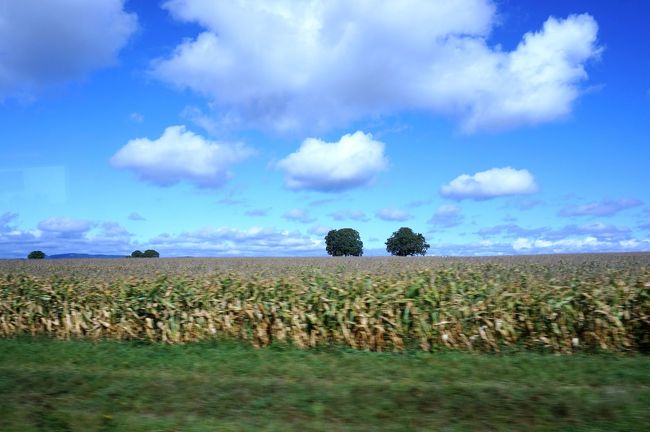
column 251, row 128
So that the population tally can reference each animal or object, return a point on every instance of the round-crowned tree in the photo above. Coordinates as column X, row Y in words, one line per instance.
column 150, row 253
column 344, row 242
column 36, row 255
column 405, row 242
column 136, row 254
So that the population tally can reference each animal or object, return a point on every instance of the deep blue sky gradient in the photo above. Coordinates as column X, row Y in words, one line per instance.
column 56, row 143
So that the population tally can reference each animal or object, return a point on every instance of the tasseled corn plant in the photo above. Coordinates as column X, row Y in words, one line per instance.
column 558, row 305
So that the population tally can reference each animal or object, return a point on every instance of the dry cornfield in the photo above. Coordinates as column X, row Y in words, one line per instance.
column 560, row 303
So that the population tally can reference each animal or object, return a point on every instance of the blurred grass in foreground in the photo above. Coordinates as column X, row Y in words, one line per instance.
column 49, row 385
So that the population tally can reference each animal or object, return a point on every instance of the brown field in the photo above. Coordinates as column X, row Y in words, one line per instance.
column 560, row 303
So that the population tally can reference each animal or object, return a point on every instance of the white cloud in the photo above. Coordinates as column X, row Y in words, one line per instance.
column 180, row 155
column 312, row 64
column 65, row 225
column 447, row 215
column 492, row 183
column 56, row 40
column 298, row 215
column 352, row 161
column 393, row 214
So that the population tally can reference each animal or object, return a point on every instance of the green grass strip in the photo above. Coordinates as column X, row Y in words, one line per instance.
column 49, row 385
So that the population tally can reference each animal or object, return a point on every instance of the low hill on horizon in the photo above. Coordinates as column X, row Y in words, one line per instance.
column 82, row 255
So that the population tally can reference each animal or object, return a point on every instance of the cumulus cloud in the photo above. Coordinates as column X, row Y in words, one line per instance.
column 351, row 162
column 53, row 41
column 600, row 208
column 343, row 215
column 312, row 64
column 298, row 215
column 447, row 215
column 392, row 214
column 488, row 184
column 65, row 226
column 180, row 155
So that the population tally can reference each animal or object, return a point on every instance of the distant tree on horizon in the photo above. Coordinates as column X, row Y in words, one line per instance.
column 36, row 255
column 150, row 253
column 344, row 242
column 405, row 242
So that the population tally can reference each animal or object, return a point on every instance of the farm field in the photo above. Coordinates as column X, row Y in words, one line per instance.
column 560, row 303
column 515, row 343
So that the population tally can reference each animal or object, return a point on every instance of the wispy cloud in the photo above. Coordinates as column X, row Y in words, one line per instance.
column 225, row 241
column 343, row 215
column 419, row 203
column 598, row 230
column 447, row 215
column 257, row 212
column 298, row 215
column 320, row 202
column 134, row 216
column 6, row 218
column 393, row 215
column 522, row 203
column 319, row 230
column 600, row 208
column 511, row 230
column 136, row 117
column 231, row 201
